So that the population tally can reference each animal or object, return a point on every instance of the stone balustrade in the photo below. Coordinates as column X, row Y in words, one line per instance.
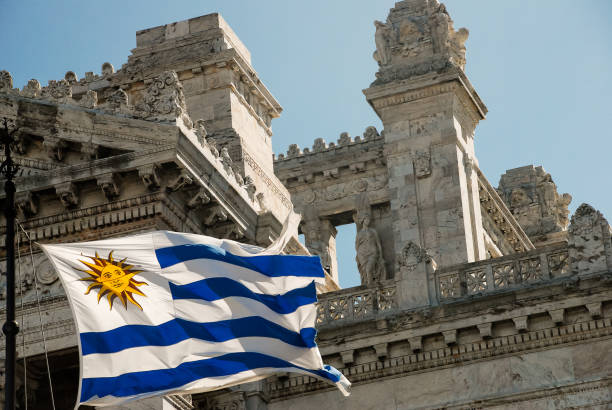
column 356, row 303
column 499, row 274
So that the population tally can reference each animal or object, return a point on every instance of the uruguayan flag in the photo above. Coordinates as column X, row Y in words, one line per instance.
column 164, row 312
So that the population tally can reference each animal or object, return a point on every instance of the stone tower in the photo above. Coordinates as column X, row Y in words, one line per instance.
column 429, row 111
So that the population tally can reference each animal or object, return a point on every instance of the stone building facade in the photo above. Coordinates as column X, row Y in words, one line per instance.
column 472, row 296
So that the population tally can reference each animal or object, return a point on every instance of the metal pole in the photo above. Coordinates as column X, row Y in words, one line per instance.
column 10, row 327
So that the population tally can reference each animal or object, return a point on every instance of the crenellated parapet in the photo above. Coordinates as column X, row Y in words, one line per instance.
column 319, row 146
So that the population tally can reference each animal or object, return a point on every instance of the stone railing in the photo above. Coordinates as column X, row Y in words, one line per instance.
column 356, row 303
column 499, row 274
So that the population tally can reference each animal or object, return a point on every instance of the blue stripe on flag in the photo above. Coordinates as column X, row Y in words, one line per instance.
column 176, row 330
column 219, row 288
column 269, row 265
column 131, row 384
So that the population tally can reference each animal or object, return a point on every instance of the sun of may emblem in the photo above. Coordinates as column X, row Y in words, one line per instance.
column 113, row 279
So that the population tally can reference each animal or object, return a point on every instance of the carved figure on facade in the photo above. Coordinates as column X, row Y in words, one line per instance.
column 385, row 39
column 369, row 257
column 345, row 139
column 226, row 161
column 532, row 197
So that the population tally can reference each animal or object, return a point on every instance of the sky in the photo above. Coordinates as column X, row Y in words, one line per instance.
column 541, row 67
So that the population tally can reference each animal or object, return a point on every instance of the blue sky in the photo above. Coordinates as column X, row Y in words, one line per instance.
column 541, row 67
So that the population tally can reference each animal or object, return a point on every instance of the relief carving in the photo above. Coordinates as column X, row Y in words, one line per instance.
column 532, row 197
column 412, row 254
column 117, row 101
column 588, row 240
column 89, row 100
column 422, row 163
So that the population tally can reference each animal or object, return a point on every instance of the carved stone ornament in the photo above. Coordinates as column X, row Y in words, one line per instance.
column 164, row 100
column 415, row 43
column 588, row 240
column 6, row 81
column 71, row 77
column 25, row 202
column 199, row 199
column 412, row 254
column 32, row 89
column 68, row 195
column 200, row 132
column 344, row 139
column 58, row 91
column 107, row 70
column 149, row 176
column 217, row 214
column 369, row 257
column 117, row 101
column 385, row 38
column 109, row 186
column 422, row 163
column 249, row 187
column 319, row 145
column 226, row 161
column 293, row 151
column 370, row 133
column 182, row 180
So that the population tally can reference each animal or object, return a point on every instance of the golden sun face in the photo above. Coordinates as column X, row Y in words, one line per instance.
column 115, row 279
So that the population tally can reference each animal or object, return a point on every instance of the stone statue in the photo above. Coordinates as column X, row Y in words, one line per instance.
column 383, row 39
column 369, row 258
column 440, row 21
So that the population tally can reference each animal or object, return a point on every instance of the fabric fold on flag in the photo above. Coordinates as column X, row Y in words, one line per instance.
column 166, row 312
